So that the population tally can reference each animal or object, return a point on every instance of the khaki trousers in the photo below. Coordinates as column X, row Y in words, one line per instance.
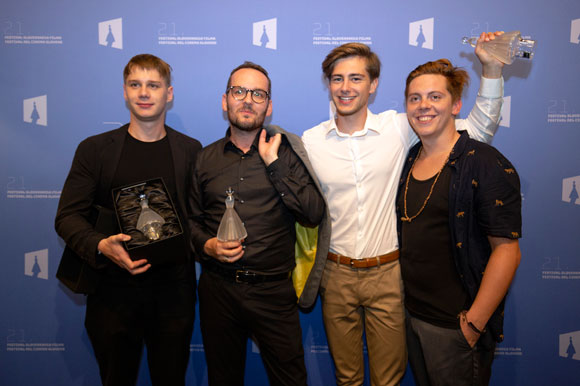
column 366, row 300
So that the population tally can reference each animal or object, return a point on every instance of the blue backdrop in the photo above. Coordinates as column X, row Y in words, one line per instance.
column 61, row 81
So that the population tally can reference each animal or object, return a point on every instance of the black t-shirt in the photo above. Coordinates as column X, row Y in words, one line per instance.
column 142, row 161
column 433, row 290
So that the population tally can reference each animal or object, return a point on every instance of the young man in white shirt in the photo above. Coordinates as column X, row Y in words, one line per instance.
column 358, row 158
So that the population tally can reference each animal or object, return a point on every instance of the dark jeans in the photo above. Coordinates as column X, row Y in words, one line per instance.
column 119, row 320
column 230, row 313
column 441, row 356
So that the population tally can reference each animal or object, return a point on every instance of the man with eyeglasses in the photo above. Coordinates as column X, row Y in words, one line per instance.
column 245, row 289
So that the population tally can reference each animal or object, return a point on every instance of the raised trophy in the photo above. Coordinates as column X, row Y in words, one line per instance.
column 231, row 227
column 507, row 47
column 150, row 223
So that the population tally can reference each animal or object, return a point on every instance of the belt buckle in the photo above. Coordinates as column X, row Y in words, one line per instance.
column 243, row 273
column 352, row 263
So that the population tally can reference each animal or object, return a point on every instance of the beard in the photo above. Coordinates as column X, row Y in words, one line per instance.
column 246, row 124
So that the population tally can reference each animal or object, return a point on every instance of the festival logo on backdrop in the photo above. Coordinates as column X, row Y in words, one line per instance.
column 505, row 111
column 553, row 269
column 571, row 190
column 315, row 341
column 421, row 33
column 36, row 264
column 325, row 33
column 16, row 32
column 570, row 345
column 172, row 33
column 557, row 267
column 111, row 33
column 575, row 32
column 196, row 347
column 34, row 110
column 508, row 351
column 265, row 33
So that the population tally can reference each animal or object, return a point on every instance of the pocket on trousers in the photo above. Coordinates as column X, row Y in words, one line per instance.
column 462, row 341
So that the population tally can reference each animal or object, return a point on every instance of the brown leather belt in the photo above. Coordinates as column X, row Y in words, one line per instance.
column 366, row 262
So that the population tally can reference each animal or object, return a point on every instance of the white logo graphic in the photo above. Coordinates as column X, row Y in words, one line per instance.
column 421, row 33
column 505, row 111
column 575, row 32
column 34, row 110
column 264, row 34
column 571, row 190
column 568, row 344
column 36, row 264
column 111, row 33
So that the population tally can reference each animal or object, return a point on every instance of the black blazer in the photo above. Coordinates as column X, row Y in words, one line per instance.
column 87, row 189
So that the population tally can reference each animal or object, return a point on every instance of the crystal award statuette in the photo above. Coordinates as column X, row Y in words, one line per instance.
column 507, row 47
column 231, row 227
column 149, row 222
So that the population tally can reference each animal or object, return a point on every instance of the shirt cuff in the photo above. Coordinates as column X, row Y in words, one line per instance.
column 277, row 168
column 491, row 88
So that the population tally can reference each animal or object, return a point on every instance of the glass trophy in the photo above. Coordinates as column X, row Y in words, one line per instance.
column 507, row 47
column 231, row 227
column 149, row 222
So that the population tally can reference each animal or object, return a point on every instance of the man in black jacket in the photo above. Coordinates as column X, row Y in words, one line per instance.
column 141, row 300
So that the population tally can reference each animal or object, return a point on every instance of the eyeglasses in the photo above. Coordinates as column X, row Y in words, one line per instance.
column 239, row 93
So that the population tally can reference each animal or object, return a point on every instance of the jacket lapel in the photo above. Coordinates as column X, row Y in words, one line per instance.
column 110, row 156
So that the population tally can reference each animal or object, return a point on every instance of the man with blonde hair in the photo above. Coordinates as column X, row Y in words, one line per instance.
column 459, row 211
column 131, row 302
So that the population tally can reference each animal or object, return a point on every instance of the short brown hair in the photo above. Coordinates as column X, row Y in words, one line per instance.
column 252, row 66
column 456, row 77
column 347, row 50
column 148, row 62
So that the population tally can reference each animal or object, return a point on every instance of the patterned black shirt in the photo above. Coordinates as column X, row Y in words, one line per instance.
column 484, row 200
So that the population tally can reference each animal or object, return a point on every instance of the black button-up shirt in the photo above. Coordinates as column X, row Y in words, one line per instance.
column 269, row 201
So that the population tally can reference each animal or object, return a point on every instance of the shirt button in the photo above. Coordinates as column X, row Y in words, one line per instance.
column 241, row 201
column 282, row 194
column 241, row 178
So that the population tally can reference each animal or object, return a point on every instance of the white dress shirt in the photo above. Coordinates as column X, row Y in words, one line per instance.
column 359, row 173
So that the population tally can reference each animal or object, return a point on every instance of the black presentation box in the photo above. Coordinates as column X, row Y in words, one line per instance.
column 171, row 246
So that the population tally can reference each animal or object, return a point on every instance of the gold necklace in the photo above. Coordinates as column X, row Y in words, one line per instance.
column 406, row 217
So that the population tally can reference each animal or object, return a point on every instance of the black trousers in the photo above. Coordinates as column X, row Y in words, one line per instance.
column 230, row 313
column 120, row 320
column 442, row 357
